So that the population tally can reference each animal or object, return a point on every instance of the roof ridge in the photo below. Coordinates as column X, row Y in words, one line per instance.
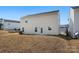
column 41, row 13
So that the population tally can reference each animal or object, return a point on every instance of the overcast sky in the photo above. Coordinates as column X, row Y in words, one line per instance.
column 15, row 12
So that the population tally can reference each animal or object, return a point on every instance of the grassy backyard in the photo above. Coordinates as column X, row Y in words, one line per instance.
column 14, row 43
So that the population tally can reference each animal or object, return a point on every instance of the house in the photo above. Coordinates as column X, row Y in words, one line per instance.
column 74, row 21
column 46, row 23
column 6, row 24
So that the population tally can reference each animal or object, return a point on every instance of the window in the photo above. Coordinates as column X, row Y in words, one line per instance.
column 26, row 21
column 22, row 29
column 8, row 23
column 49, row 28
column 41, row 30
column 35, row 29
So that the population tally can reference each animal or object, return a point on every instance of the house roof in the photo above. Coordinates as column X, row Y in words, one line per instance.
column 75, row 7
column 41, row 13
column 64, row 26
column 11, row 21
column 6, row 20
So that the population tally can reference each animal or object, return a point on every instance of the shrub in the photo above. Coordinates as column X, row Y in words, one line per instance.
column 20, row 32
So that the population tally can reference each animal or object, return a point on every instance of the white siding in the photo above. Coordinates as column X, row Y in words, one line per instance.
column 8, row 24
column 74, row 21
column 71, row 22
column 11, row 25
column 41, row 21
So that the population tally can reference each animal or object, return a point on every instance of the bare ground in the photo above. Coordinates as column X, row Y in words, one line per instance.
column 15, row 43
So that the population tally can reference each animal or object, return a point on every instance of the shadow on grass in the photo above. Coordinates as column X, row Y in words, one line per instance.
column 66, row 37
column 60, row 36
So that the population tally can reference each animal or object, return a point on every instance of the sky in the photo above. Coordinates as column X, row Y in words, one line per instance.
column 15, row 12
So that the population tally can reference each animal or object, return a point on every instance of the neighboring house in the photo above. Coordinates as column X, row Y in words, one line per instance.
column 63, row 29
column 1, row 24
column 9, row 24
column 44, row 23
column 74, row 21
